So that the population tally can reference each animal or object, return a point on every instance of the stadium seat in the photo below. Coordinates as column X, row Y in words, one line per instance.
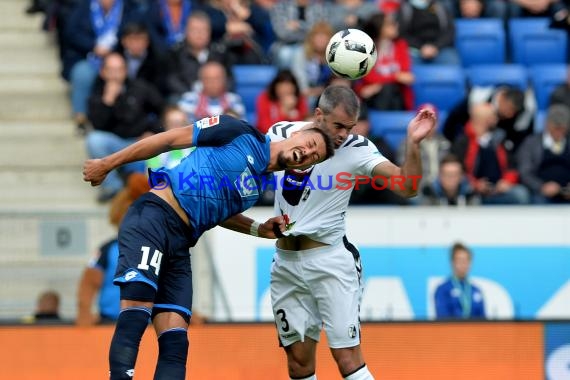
column 480, row 41
column 539, row 121
column 442, row 85
column 251, row 80
column 544, row 79
column 533, row 42
column 391, row 125
column 494, row 75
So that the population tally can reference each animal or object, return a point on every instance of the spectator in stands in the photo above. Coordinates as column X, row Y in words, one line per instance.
column 544, row 159
column 187, row 58
column 477, row 8
column 389, row 6
column 561, row 93
column 309, row 65
column 281, row 101
column 351, row 13
column 167, row 21
column 121, row 111
column 57, row 17
column 244, row 28
column 433, row 149
column 458, row 297
column 486, row 161
column 97, row 279
column 142, row 60
column 515, row 110
column 47, row 308
column 172, row 117
column 534, row 8
column 429, row 29
column 213, row 98
column 91, row 33
column 292, row 20
column 451, row 187
column 388, row 85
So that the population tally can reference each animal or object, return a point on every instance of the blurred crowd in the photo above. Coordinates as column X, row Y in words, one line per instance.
column 139, row 67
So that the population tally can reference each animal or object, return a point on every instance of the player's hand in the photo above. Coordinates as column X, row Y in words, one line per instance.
column 503, row 186
column 421, row 125
column 266, row 229
column 95, row 171
column 550, row 189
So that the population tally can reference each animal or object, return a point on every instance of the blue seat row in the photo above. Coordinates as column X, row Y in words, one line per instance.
column 530, row 41
column 445, row 85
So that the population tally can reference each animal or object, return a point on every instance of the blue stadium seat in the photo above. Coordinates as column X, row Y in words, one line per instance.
column 442, row 85
column 533, row 42
column 251, row 80
column 544, row 79
column 480, row 41
column 493, row 75
column 391, row 125
column 539, row 121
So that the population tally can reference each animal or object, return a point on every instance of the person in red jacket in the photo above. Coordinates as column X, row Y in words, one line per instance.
column 486, row 160
column 281, row 101
column 387, row 86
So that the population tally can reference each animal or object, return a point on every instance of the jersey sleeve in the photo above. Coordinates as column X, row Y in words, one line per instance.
column 221, row 130
column 365, row 156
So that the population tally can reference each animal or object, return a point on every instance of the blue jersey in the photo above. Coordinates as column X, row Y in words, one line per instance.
column 223, row 176
column 459, row 299
column 109, row 297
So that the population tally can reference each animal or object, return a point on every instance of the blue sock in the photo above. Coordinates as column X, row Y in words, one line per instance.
column 172, row 355
column 129, row 330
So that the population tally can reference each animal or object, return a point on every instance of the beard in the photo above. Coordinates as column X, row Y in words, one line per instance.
column 281, row 161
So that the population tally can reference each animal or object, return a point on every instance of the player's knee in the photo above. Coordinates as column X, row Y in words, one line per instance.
column 172, row 354
column 348, row 359
column 301, row 363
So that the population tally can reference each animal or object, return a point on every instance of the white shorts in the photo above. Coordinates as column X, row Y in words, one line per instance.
column 317, row 288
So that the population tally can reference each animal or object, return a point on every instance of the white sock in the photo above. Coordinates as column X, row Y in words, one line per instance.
column 312, row 377
column 362, row 374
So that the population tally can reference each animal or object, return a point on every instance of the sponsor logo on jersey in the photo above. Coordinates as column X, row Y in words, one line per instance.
column 130, row 275
column 208, row 122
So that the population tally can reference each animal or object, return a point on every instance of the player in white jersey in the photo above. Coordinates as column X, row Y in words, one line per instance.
column 316, row 273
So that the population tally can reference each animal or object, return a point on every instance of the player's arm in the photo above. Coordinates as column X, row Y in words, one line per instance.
column 405, row 180
column 243, row 224
column 96, row 170
column 441, row 302
column 90, row 283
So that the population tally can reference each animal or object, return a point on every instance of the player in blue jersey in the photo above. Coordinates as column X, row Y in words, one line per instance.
column 222, row 177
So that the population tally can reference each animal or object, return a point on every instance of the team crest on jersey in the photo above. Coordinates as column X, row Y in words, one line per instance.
column 288, row 224
column 246, row 185
column 352, row 331
column 208, row 122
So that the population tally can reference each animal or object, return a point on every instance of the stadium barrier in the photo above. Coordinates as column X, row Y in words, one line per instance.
column 394, row 350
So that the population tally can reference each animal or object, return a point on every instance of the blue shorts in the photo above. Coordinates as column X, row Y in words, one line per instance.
column 154, row 256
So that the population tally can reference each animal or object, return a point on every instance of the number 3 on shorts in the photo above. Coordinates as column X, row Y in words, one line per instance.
column 154, row 262
column 284, row 323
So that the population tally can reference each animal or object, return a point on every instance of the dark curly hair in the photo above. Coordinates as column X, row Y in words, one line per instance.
column 282, row 76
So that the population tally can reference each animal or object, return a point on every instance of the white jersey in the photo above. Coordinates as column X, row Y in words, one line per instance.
column 316, row 200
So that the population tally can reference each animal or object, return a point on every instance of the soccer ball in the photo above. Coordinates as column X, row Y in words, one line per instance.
column 351, row 54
